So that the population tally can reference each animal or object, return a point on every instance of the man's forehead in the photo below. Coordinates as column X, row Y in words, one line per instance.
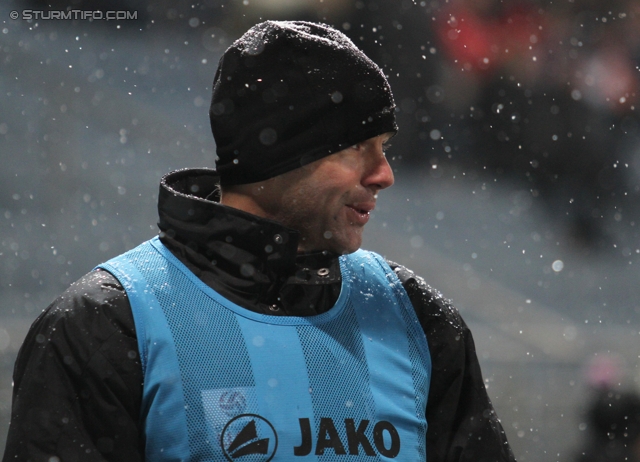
column 384, row 138
column 387, row 136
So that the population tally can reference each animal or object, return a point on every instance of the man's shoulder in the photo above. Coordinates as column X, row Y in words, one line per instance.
column 94, row 306
column 96, row 288
column 428, row 302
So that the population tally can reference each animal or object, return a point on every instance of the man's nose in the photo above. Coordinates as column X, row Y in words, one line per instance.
column 379, row 174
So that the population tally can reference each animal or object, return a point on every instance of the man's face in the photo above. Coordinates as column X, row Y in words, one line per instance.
column 329, row 200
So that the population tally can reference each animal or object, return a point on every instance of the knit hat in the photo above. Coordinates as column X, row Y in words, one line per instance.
column 288, row 93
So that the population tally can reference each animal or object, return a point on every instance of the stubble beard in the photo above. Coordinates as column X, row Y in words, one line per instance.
column 317, row 233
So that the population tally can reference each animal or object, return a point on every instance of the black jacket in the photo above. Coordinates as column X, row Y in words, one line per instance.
column 78, row 381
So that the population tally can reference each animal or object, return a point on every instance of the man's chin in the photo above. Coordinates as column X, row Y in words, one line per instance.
column 350, row 245
column 341, row 244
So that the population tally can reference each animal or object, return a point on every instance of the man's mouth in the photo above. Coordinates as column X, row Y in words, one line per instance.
column 363, row 207
column 359, row 212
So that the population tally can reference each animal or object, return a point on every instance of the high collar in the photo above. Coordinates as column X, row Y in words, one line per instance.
column 252, row 257
column 189, row 205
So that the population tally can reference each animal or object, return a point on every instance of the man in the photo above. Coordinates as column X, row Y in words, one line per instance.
column 252, row 328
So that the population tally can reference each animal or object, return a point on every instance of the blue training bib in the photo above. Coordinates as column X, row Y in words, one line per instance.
column 222, row 383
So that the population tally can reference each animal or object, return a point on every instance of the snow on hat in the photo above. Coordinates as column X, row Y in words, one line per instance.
column 288, row 93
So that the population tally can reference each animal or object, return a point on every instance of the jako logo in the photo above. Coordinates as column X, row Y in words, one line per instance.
column 254, row 436
column 249, row 435
column 328, row 438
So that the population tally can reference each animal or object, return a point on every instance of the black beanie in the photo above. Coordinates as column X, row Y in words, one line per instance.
column 288, row 93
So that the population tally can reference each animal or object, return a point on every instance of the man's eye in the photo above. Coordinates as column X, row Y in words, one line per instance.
column 385, row 147
column 356, row 146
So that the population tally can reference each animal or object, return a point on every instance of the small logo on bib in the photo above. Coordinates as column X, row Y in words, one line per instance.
column 249, row 437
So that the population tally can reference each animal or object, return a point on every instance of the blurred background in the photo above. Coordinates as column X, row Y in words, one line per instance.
column 517, row 175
